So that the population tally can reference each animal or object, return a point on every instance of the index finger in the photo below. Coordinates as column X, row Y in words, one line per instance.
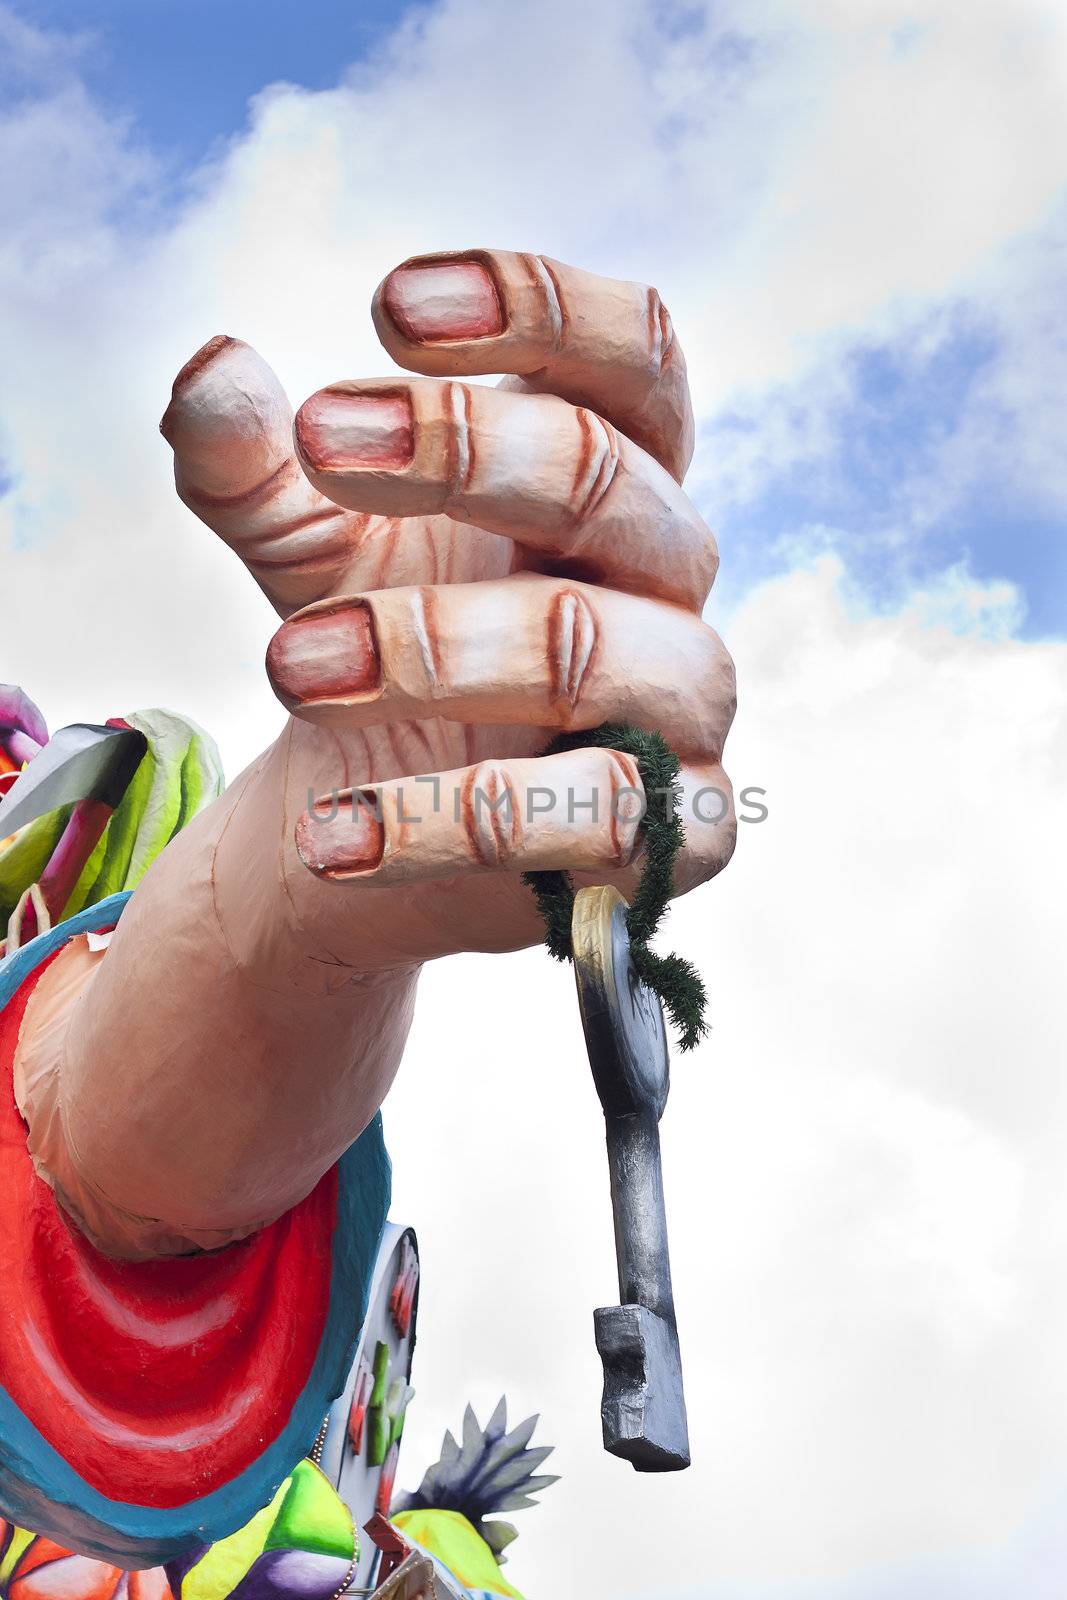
column 597, row 342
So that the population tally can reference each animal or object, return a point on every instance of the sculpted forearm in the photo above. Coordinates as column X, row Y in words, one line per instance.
column 218, row 1057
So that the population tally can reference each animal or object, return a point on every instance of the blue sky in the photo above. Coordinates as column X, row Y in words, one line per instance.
column 889, row 435
column 184, row 71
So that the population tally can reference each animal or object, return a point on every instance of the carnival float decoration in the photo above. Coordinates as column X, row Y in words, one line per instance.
column 488, row 596
column 152, row 771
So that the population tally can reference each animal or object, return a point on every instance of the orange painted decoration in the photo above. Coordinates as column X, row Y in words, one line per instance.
column 47, row 1571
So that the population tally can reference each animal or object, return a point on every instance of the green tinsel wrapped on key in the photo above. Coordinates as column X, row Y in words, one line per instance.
column 676, row 981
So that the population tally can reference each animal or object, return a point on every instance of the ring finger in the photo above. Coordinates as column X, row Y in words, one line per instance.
column 529, row 650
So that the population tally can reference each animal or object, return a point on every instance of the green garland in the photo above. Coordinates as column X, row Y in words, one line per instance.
column 678, row 983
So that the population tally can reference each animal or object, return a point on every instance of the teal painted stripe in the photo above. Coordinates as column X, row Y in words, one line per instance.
column 39, row 1489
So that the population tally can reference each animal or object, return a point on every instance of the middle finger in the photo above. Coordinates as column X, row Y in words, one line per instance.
column 555, row 478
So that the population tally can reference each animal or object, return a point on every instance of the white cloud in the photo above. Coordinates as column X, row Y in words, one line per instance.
column 865, row 1163
column 792, row 176
column 1014, row 419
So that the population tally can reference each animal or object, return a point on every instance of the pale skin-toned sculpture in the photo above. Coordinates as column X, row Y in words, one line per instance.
column 462, row 570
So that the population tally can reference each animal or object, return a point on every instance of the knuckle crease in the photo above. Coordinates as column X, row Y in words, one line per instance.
column 555, row 303
column 572, row 638
column 598, row 461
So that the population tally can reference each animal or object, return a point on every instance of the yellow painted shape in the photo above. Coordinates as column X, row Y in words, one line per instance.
column 222, row 1567
column 458, row 1545
column 21, row 1538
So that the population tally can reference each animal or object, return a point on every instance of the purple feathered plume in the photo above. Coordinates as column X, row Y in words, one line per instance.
column 23, row 729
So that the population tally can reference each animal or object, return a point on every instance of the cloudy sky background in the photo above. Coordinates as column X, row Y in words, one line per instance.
column 857, row 212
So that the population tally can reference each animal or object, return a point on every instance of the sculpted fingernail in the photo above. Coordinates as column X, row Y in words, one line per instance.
column 452, row 300
column 324, row 655
column 338, row 431
column 342, row 834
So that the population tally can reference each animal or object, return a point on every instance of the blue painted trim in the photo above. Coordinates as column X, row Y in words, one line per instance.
column 39, row 1490
column 14, row 969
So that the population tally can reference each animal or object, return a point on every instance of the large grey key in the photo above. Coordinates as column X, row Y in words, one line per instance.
column 643, row 1408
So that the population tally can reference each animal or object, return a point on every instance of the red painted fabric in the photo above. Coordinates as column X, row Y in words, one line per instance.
column 157, row 1381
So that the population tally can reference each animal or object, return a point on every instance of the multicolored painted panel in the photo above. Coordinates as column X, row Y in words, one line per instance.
column 238, row 1354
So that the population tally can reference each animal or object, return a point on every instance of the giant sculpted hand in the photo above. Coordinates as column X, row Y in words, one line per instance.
column 463, row 571
column 474, row 568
